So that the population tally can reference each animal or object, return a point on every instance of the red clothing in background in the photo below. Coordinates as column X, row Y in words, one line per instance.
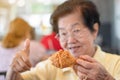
column 50, row 42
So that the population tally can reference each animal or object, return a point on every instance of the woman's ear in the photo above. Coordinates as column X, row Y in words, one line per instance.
column 96, row 29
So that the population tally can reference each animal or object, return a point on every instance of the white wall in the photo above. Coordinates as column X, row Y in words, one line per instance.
column 117, row 23
column 117, row 18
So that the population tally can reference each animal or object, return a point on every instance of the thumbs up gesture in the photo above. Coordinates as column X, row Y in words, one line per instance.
column 21, row 60
column 27, row 47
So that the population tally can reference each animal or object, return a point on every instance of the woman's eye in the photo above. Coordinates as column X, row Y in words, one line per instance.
column 77, row 30
column 63, row 34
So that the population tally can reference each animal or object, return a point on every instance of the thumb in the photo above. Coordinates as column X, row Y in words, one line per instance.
column 27, row 46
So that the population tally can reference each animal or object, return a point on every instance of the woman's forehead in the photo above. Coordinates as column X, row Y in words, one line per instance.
column 72, row 19
column 72, row 26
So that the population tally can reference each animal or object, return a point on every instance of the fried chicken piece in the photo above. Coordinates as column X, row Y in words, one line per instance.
column 62, row 59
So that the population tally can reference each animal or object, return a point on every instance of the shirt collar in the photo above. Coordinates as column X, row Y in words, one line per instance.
column 99, row 54
column 67, row 69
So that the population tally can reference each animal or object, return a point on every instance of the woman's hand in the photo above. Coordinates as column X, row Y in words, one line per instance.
column 20, row 63
column 21, row 60
column 88, row 68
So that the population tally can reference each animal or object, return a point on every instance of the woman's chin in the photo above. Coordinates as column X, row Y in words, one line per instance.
column 76, row 55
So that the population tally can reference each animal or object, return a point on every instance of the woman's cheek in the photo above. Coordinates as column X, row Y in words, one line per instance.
column 63, row 45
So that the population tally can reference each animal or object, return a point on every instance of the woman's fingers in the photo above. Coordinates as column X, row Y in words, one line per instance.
column 82, row 76
column 21, row 62
column 25, row 59
column 91, row 68
column 84, row 63
column 82, row 69
column 87, row 58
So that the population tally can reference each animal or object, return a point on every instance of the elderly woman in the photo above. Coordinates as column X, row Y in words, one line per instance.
column 78, row 24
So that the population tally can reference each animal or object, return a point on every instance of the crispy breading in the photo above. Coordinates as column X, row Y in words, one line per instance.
column 62, row 59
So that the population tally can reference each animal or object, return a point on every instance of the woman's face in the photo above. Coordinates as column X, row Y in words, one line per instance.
column 75, row 37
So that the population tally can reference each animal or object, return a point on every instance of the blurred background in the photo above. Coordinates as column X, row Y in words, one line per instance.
column 37, row 14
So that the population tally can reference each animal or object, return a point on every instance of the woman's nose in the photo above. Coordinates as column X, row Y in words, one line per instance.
column 71, row 39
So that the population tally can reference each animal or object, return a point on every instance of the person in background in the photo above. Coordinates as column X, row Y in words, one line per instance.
column 50, row 42
column 78, row 24
column 37, row 49
column 19, row 30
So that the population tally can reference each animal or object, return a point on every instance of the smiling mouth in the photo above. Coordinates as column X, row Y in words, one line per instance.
column 74, row 47
column 74, row 50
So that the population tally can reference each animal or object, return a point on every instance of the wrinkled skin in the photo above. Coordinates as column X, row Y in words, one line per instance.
column 79, row 41
column 87, row 66
column 20, row 63
column 21, row 60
